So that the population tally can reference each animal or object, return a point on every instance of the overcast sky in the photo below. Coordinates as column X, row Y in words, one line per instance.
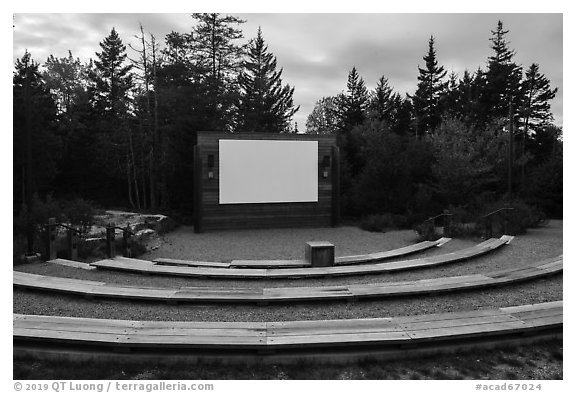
column 317, row 51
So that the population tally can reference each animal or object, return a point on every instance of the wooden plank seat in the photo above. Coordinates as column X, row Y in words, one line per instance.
column 398, row 252
column 440, row 328
column 264, row 264
column 294, row 263
column 137, row 266
column 291, row 294
column 182, row 262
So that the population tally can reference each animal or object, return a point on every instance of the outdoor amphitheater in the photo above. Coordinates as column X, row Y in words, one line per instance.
column 270, row 278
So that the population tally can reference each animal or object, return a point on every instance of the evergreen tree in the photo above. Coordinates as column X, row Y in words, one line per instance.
column 430, row 88
column 462, row 98
column 535, row 110
column 502, row 79
column 35, row 145
column 403, row 121
column 351, row 106
column 536, row 97
column 110, row 94
column 68, row 81
column 450, row 97
column 217, row 59
column 265, row 105
column 112, row 78
column 381, row 100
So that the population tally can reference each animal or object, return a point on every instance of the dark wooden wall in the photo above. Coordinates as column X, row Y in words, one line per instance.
column 210, row 215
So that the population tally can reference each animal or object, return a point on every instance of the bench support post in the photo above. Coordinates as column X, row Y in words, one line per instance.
column 51, row 239
column 126, row 242
column 110, row 241
column 72, row 243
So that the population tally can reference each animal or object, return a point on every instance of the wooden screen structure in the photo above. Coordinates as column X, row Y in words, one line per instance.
column 211, row 214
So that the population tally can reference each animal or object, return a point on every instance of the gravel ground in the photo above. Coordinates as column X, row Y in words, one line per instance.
column 533, row 246
column 536, row 244
column 542, row 290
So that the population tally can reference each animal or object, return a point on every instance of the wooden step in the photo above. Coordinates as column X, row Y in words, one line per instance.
column 413, row 330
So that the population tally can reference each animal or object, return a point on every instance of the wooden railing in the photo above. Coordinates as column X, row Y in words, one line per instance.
column 446, row 222
column 111, row 240
column 73, row 237
column 489, row 220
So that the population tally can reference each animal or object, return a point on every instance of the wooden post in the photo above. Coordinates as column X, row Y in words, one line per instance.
column 126, row 242
column 488, row 227
column 110, row 241
column 51, row 239
column 335, row 186
column 72, row 243
column 446, row 223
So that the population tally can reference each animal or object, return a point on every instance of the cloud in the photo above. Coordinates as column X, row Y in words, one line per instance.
column 317, row 51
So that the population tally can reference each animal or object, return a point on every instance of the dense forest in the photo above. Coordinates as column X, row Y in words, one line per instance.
column 119, row 130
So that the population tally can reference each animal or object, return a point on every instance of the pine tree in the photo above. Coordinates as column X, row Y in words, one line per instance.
column 403, row 121
column 431, row 86
column 381, row 101
column 462, row 99
column 216, row 60
column 502, row 79
column 265, row 105
column 351, row 106
column 536, row 97
column 535, row 109
column 110, row 93
column 35, row 145
column 450, row 97
column 112, row 78
column 67, row 79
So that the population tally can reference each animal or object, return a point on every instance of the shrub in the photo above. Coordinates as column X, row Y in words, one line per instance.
column 427, row 231
column 465, row 229
column 78, row 212
column 517, row 221
column 382, row 222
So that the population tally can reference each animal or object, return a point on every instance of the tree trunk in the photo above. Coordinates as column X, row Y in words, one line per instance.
column 129, row 181
column 133, row 162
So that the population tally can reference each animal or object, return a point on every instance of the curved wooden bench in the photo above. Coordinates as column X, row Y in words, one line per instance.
column 344, row 260
column 292, row 263
column 147, row 267
column 290, row 294
column 437, row 329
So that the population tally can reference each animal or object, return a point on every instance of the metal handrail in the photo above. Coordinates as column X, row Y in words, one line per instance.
column 438, row 216
column 497, row 211
column 78, row 231
column 488, row 230
column 123, row 229
column 59, row 224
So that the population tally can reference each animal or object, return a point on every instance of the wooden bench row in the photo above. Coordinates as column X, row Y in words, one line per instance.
column 288, row 335
column 294, row 263
column 147, row 267
column 290, row 294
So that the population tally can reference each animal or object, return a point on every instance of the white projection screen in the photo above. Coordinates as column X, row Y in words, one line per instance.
column 265, row 171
